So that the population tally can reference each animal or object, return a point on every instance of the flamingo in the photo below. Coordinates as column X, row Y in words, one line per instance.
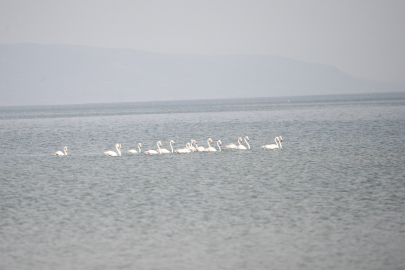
column 210, row 149
column 232, row 146
column 272, row 146
column 198, row 148
column 184, row 150
column 132, row 151
column 242, row 147
column 165, row 151
column 153, row 152
column 191, row 147
column 60, row 153
column 219, row 143
column 112, row 153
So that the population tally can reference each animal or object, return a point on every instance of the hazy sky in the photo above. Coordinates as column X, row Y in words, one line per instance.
column 363, row 38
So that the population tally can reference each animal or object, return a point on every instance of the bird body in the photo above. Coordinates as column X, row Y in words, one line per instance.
column 165, row 151
column 210, row 148
column 153, row 152
column 242, row 147
column 60, row 153
column 184, row 150
column 273, row 146
column 114, row 154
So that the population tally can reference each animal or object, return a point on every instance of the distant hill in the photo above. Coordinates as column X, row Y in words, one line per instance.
column 62, row 74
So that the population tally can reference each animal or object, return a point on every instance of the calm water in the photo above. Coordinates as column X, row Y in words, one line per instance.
column 332, row 198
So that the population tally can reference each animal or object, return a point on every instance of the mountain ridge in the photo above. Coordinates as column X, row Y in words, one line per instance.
column 33, row 74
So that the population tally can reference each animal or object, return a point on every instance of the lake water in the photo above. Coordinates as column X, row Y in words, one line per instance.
column 332, row 198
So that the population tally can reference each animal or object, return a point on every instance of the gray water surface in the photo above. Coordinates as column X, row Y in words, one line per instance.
column 332, row 198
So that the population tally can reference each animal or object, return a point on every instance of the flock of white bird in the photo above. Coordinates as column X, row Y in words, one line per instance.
column 190, row 147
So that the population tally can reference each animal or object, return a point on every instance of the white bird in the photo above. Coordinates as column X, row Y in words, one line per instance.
column 191, row 147
column 232, row 146
column 165, row 151
column 272, row 146
column 210, row 149
column 242, row 147
column 153, row 152
column 281, row 138
column 219, row 143
column 184, row 150
column 198, row 148
column 60, row 153
column 112, row 153
column 132, row 151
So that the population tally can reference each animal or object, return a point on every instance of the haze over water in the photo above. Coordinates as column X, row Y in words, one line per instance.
column 332, row 198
